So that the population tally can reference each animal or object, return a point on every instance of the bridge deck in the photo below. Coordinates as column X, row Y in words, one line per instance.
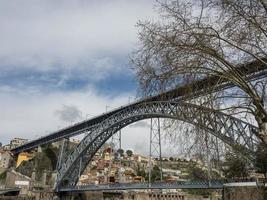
column 145, row 186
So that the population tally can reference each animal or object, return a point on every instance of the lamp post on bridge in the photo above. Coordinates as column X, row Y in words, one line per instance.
column 87, row 115
column 131, row 97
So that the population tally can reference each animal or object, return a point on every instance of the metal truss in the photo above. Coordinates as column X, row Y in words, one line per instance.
column 253, row 71
column 155, row 145
column 115, row 146
column 116, row 140
column 230, row 130
column 64, row 146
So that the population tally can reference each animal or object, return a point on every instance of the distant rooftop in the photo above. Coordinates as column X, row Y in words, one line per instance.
column 241, row 184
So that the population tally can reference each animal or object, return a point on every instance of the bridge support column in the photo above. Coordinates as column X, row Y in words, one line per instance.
column 115, row 145
column 116, row 140
column 62, row 151
column 44, row 178
column 39, row 149
column 155, row 146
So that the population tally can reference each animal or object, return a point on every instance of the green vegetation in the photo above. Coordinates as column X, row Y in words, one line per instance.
column 265, row 194
column 196, row 173
column 235, row 166
column 44, row 161
column 3, row 175
column 261, row 159
column 120, row 152
column 140, row 171
column 155, row 174
column 261, row 162
column 171, row 158
column 51, row 154
column 129, row 153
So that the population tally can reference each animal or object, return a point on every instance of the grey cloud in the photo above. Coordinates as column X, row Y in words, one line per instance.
column 44, row 34
column 141, row 147
column 69, row 113
column 30, row 115
column 63, row 36
column 140, row 124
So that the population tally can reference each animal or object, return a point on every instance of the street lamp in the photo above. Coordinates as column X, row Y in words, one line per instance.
column 86, row 117
column 107, row 108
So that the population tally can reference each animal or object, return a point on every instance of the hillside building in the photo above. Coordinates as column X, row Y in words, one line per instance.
column 17, row 142
column 24, row 156
column 5, row 159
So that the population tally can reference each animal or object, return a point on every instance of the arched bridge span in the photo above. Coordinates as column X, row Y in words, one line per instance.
column 229, row 129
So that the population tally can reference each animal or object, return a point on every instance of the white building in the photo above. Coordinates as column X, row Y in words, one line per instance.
column 5, row 159
column 17, row 142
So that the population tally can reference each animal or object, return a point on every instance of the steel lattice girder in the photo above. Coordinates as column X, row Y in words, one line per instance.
column 252, row 71
column 229, row 129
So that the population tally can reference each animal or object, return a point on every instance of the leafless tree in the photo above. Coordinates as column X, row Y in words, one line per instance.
column 194, row 39
column 194, row 142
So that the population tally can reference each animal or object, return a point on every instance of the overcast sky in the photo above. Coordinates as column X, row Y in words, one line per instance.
column 64, row 61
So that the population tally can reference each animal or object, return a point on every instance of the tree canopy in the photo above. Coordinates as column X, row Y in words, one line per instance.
column 235, row 166
column 261, row 159
column 129, row 153
column 194, row 39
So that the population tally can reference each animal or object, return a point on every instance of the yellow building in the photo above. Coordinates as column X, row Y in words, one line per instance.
column 107, row 156
column 24, row 156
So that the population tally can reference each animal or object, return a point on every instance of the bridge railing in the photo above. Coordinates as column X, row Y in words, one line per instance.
column 192, row 184
column 145, row 185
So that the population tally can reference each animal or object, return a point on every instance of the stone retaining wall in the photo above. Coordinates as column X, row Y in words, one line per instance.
column 243, row 193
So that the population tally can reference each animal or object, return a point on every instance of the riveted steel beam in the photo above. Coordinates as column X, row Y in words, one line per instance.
column 229, row 129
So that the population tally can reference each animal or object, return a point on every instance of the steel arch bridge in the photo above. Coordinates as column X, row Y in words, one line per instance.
column 230, row 130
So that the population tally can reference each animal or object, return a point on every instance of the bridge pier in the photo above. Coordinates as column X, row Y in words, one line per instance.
column 39, row 149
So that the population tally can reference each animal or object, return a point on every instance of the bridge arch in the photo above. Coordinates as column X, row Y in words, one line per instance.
column 229, row 129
